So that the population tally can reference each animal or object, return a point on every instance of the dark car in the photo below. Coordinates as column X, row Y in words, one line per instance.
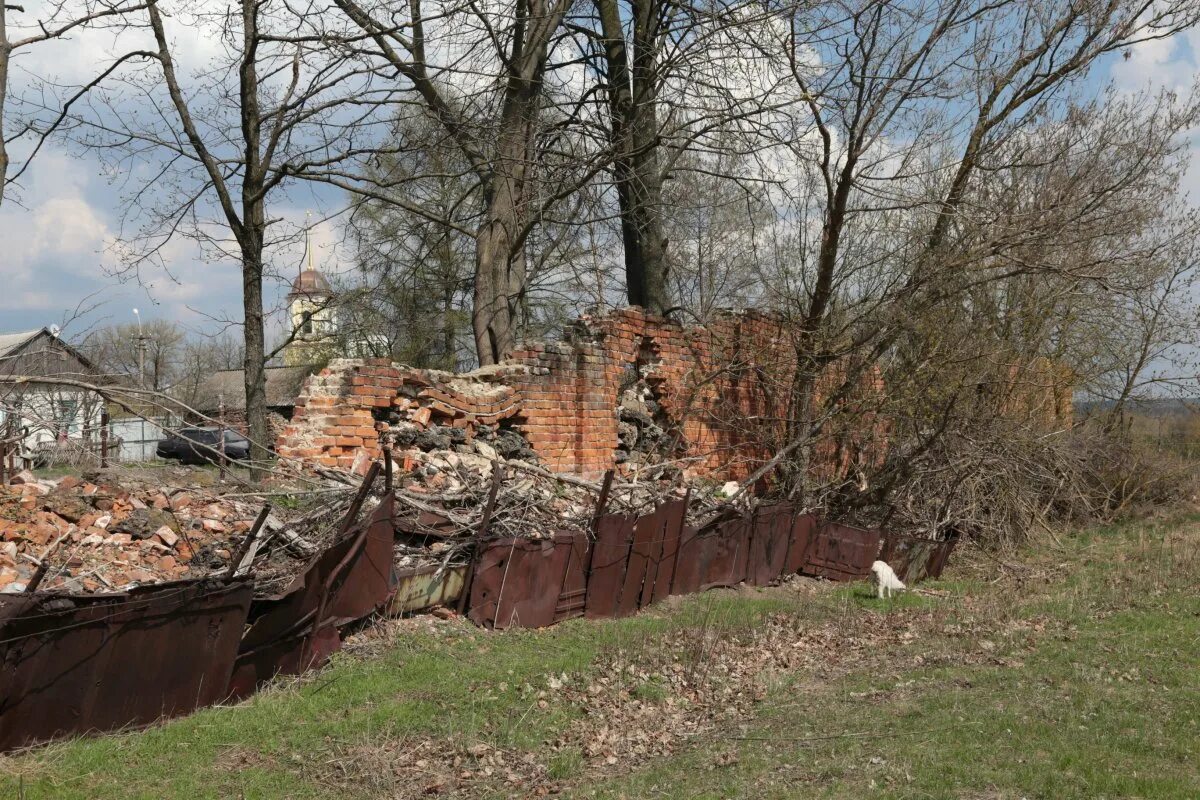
column 201, row 445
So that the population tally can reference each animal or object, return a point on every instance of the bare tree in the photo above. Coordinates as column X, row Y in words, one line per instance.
column 410, row 297
column 633, row 84
column 681, row 81
column 62, row 19
column 226, row 136
column 149, row 354
column 479, row 72
column 883, row 74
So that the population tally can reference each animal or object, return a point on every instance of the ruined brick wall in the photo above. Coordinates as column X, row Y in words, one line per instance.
column 343, row 409
column 716, row 385
column 720, row 392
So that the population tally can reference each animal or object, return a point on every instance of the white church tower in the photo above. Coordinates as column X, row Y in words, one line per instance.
column 313, row 316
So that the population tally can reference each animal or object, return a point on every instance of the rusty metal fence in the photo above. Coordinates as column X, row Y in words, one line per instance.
column 627, row 563
column 73, row 664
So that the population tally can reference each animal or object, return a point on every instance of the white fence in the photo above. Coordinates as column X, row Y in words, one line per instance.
column 139, row 437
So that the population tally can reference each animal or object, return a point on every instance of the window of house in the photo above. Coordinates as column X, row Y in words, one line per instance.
column 68, row 409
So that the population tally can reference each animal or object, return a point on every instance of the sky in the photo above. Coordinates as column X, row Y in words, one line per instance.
column 60, row 231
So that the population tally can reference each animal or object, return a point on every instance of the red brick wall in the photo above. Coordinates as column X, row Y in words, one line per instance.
column 714, row 383
column 723, row 387
column 337, row 419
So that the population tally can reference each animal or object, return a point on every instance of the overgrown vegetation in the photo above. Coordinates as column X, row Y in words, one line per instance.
column 947, row 193
column 1062, row 671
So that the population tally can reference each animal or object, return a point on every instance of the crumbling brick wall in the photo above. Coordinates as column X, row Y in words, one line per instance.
column 720, row 393
column 715, row 386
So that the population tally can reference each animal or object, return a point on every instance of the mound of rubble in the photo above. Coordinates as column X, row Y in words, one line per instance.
column 446, row 499
column 102, row 538
column 451, row 484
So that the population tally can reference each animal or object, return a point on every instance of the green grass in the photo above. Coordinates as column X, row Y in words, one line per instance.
column 1103, row 702
column 1076, row 675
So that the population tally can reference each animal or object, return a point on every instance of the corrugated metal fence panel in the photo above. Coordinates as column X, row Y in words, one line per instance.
column 647, row 535
column 517, row 582
column 725, row 552
column 572, row 596
column 610, row 558
column 71, row 665
column 664, row 573
column 841, row 552
column 688, row 572
column 942, row 555
column 804, row 527
column 915, row 559
column 771, row 533
column 366, row 579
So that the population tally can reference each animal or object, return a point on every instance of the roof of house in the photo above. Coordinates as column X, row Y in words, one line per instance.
column 311, row 282
column 12, row 344
column 11, row 341
column 283, row 387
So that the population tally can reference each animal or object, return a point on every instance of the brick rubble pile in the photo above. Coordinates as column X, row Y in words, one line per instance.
column 101, row 538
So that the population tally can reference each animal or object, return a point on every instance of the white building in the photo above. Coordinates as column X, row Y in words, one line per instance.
column 313, row 315
column 44, row 412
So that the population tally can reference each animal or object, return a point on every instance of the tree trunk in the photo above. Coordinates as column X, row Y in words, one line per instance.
column 633, row 104
column 499, row 258
column 491, row 319
column 253, row 233
column 4, row 53
column 254, row 365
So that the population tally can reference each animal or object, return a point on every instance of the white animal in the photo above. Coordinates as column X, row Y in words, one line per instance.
column 885, row 579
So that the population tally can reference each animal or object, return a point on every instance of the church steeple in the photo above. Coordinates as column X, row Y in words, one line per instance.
column 312, row 312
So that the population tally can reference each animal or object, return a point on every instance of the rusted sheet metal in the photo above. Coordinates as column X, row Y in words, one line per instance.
column 769, row 538
column 518, row 582
column 722, row 552
column 689, row 569
column 71, row 664
column 572, row 595
column 803, row 528
column 664, row 570
column 654, row 553
column 647, row 538
column 609, row 560
column 365, row 577
column 916, row 559
column 418, row 588
column 942, row 555
column 841, row 552
column 298, row 628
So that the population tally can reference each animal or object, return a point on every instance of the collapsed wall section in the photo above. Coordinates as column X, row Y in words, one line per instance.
column 625, row 389
column 628, row 385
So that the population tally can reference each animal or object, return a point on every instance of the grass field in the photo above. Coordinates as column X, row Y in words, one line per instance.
column 1054, row 672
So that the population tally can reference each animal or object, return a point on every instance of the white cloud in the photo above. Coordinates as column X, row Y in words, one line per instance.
column 55, row 225
column 1157, row 64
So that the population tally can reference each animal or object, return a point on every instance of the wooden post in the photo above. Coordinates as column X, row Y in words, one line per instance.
column 385, row 446
column 247, row 543
column 103, row 438
column 221, row 438
column 356, row 505
column 464, row 599
column 4, row 449
column 601, row 502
